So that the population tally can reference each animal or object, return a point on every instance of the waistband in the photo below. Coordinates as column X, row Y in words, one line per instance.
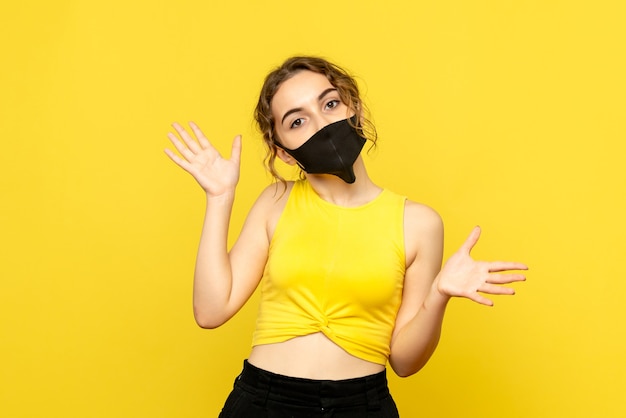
column 265, row 385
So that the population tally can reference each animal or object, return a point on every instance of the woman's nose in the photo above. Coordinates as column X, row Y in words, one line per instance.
column 321, row 121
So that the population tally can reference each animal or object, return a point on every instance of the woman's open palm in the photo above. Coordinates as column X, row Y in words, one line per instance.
column 215, row 174
column 462, row 276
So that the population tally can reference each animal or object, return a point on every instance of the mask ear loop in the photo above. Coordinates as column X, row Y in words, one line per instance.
column 281, row 146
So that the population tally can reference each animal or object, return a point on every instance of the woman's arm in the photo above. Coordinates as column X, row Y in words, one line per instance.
column 428, row 290
column 223, row 281
column 418, row 324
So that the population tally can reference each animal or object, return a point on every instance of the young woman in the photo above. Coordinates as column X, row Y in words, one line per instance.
column 350, row 272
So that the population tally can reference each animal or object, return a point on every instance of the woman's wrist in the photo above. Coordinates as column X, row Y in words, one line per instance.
column 436, row 297
column 226, row 197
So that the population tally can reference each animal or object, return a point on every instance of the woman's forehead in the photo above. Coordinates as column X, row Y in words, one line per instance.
column 304, row 87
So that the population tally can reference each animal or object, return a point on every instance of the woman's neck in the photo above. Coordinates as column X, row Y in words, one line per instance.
column 336, row 191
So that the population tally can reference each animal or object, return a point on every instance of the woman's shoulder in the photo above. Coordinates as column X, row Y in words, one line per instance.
column 423, row 228
column 422, row 223
column 276, row 194
column 271, row 203
column 421, row 214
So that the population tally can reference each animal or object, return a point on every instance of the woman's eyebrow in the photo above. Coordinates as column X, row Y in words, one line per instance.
column 298, row 109
column 325, row 92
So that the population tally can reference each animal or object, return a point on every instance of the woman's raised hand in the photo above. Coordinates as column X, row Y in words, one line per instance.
column 215, row 174
column 463, row 276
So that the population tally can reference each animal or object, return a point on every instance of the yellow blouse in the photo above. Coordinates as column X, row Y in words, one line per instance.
column 336, row 270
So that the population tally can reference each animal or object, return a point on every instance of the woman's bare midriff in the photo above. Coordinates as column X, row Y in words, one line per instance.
column 311, row 356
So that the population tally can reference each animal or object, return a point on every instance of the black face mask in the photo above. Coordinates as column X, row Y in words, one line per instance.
column 331, row 150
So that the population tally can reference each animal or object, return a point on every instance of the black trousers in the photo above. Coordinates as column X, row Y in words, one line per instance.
column 261, row 394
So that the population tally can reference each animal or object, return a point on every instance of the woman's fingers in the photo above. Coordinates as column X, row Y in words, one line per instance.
column 187, row 139
column 179, row 161
column 465, row 277
column 477, row 297
column 235, row 152
column 505, row 278
column 495, row 266
column 471, row 240
column 490, row 289
column 199, row 158
column 180, row 147
column 198, row 151
column 204, row 143
column 493, row 289
column 191, row 148
column 201, row 145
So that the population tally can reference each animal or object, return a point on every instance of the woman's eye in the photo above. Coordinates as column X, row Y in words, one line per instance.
column 332, row 104
column 296, row 123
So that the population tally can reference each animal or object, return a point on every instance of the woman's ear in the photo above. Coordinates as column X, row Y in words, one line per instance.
column 284, row 155
column 357, row 111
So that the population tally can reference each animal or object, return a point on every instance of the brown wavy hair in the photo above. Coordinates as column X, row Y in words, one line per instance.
column 339, row 78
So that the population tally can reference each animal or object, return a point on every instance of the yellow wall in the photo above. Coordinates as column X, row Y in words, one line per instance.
column 507, row 114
